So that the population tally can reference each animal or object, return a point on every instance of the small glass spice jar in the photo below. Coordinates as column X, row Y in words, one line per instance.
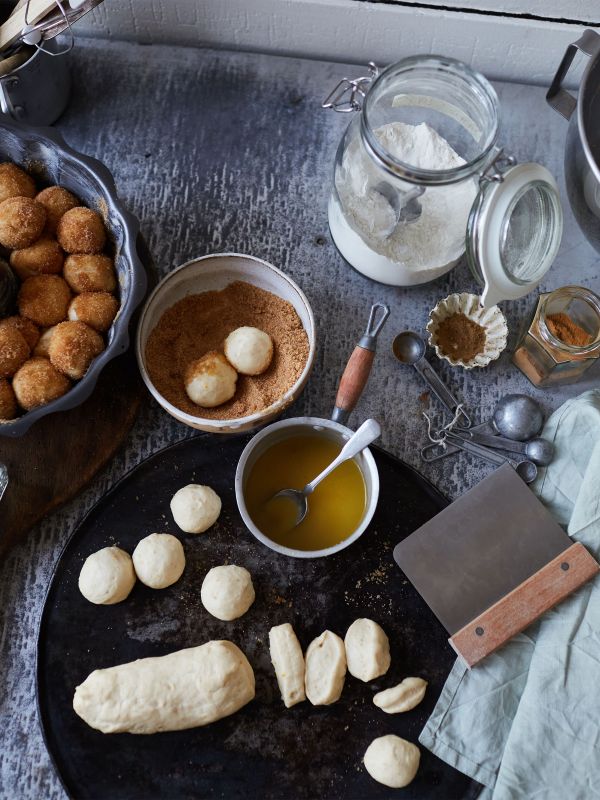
column 562, row 340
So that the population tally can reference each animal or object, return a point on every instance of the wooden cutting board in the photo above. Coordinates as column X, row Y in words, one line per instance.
column 61, row 453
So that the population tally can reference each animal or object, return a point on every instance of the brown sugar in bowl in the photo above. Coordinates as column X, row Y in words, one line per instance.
column 214, row 273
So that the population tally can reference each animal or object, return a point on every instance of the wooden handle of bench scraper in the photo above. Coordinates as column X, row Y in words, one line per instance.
column 518, row 609
column 359, row 365
column 12, row 28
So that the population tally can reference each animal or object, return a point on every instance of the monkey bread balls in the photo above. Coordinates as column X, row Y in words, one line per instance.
column 38, row 383
column 25, row 327
column 44, row 299
column 57, row 201
column 14, row 351
column 8, row 401
column 73, row 347
column 43, row 257
column 249, row 350
column 22, row 221
column 90, row 273
column 81, row 230
column 96, row 309
column 15, row 182
column 210, row 380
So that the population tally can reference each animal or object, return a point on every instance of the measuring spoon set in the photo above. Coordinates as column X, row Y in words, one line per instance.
column 514, row 427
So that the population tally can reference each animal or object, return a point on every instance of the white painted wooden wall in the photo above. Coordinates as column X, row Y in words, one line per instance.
column 521, row 40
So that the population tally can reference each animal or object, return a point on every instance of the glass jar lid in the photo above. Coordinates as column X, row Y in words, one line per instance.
column 514, row 232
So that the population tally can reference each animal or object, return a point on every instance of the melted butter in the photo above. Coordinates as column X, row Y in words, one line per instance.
column 335, row 508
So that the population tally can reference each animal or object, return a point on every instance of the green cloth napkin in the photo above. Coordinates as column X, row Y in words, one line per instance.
column 526, row 721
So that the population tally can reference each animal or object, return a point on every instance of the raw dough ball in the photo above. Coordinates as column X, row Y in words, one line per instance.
column 38, row 383
column 392, row 761
column 325, row 669
column 249, row 350
column 43, row 257
column 22, row 221
column 210, row 380
column 57, row 201
column 42, row 348
column 81, row 230
column 227, row 592
column 181, row 690
column 159, row 560
column 8, row 401
column 15, row 182
column 96, row 309
column 195, row 508
column 44, row 299
column 73, row 347
column 25, row 326
column 107, row 576
column 14, row 351
column 288, row 662
column 403, row 697
column 367, row 650
column 90, row 273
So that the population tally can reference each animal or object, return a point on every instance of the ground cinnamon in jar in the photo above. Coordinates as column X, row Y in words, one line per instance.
column 201, row 322
column 562, row 327
column 460, row 338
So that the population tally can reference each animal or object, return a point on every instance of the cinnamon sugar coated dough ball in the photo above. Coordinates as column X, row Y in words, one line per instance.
column 81, row 230
column 14, row 351
column 38, row 382
column 249, row 350
column 22, row 221
column 44, row 299
column 159, row 560
column 195, row 508
column 8, row 401
column 43, row 257
column 57, row 201
column 96, row 309
column 15, row 182
column 107, row 576
column 42, row 347
column 26, row 328
column 73, row 347
column 90, row 273
column 210, row 380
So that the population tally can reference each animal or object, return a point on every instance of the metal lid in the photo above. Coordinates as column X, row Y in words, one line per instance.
column 514, row 232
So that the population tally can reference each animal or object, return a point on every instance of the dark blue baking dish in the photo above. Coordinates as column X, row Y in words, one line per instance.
column 45, row 154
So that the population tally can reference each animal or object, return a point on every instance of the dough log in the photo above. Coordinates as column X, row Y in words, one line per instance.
column 185, row 689
column 288, row 662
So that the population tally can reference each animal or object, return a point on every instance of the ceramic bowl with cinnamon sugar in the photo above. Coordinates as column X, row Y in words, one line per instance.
column 258, row 294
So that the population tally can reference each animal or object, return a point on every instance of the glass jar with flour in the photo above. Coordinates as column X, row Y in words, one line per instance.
column 419, row 177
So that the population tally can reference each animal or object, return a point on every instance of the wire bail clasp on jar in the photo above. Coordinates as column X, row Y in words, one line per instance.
column 496, row 167
column 357, row 87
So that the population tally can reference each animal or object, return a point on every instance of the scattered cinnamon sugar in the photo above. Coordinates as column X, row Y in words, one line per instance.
column 460, row 338
column 562, row 327
column 201, row 322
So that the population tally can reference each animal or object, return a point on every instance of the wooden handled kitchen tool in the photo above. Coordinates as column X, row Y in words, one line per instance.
column 492, row 563
column 359, row 365
column 23, row 14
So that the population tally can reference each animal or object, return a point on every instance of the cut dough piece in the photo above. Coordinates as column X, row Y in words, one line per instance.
column 249, row 350
column 392, row 761
column 288, row 661
column 227, row 592
column 159, row 560
column 403, row 697
column 325, row 669
column 195, row 508
column 182, row 690
column 367, row 650
column 107, row 576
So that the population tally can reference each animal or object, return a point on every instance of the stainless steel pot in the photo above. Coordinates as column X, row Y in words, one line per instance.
column 582, row 151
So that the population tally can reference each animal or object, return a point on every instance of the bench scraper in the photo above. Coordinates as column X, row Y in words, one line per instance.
column 491, row 563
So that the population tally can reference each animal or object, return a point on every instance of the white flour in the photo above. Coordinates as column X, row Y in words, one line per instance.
column 428, row 246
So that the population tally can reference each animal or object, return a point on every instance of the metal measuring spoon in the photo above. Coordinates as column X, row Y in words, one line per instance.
column 405, row 205
column 538, row 450
column 518, row 417
column 525, row 469
column 363, row 437
column 409, row 348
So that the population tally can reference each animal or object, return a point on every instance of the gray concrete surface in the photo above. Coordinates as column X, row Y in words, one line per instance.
column 218, row 151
